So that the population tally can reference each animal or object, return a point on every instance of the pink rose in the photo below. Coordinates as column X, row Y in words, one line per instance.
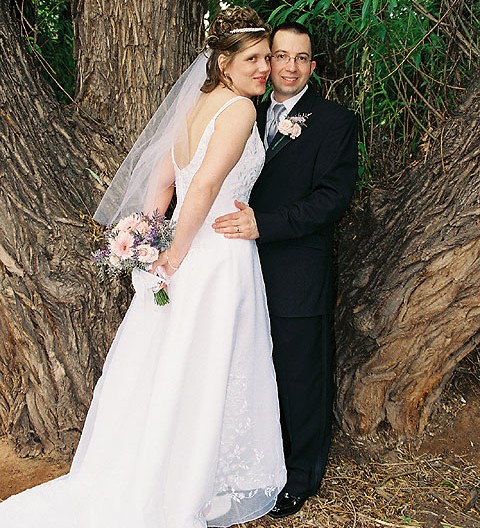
column 296, row 131
column 142, row 228
column 122, row 245
column 129, row 223
column 285, row 127
column 146, row 253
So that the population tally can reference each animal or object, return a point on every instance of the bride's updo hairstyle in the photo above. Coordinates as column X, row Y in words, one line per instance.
column 232, row 31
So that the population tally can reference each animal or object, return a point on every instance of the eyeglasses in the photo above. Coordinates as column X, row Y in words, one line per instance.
column 283, row 58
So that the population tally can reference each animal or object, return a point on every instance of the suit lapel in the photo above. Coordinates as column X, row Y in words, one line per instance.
column 280, row 141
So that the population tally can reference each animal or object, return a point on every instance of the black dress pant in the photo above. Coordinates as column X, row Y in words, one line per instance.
column 303, row 359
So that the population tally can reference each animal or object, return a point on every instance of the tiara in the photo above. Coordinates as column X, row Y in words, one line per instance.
column 245, row 30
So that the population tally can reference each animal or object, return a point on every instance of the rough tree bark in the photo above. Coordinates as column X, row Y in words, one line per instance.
column 56, row 320
column 128, row 55
column 409, row 270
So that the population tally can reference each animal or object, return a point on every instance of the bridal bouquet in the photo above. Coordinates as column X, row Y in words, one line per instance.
column 135, row 242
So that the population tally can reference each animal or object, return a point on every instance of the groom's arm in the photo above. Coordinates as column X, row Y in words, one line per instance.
column 241, row 224
column 334, row 183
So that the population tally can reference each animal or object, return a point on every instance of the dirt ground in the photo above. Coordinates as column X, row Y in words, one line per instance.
column 17, row 474
column 433, row 482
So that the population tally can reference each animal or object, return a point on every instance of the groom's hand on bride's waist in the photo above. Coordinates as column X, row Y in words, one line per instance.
column 240, row 224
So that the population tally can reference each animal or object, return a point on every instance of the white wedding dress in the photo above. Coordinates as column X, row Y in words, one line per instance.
column 183, row 430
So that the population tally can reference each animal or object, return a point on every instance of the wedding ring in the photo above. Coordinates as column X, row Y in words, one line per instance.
column 237, row 229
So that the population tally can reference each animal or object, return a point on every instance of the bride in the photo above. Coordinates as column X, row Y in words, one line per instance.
column 183, row 430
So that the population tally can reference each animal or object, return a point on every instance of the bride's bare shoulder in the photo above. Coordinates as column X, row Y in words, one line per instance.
column 216, row 99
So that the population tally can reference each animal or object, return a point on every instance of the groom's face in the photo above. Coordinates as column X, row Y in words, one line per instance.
column 289, row 78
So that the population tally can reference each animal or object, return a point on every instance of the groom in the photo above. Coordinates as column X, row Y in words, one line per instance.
column 305, row 186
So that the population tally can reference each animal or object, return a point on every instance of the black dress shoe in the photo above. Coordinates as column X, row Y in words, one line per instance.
column 286, row 505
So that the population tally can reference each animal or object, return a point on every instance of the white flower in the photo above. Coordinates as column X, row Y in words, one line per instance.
column 114, row 260
column 291, row 126
column 296, row 131
column 129, row 223
column 147, row 253
column 285, row 127
column 142, row 228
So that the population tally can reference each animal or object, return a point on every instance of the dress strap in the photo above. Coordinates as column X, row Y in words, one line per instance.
column 227, row 104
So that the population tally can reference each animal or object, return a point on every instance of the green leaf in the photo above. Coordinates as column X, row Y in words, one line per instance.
column 275, row 12
column 316, row 79
column 448, row 484
column 303, row 18
column 383, row 32
column 337, row 19
column 392, row 4
column 365, row 12
column 96, row 177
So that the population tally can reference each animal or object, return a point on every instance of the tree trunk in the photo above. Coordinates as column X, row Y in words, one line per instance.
column 409, row 269
column 128, row 56
column 56, row 320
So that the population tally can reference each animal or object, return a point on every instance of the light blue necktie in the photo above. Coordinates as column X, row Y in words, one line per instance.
column 273, row 128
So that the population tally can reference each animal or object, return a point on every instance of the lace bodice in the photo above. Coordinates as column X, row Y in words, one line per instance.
column 238, row 183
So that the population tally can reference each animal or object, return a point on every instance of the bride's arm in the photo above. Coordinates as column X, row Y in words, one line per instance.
column 232, row 130
column 159, row 194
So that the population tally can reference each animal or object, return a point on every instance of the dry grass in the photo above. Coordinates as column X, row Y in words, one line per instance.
column 431, row 483
column 394, row 488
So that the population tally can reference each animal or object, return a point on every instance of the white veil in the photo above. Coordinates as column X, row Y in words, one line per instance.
column 141, row 172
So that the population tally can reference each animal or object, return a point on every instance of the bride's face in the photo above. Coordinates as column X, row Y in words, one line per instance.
column 249, row 69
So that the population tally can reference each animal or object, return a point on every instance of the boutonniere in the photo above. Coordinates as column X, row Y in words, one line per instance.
column 291, row 126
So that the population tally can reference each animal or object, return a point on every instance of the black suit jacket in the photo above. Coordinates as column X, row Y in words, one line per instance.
column 305, row 186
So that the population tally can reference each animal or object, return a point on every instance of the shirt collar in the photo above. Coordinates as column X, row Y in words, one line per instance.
column 291, row 102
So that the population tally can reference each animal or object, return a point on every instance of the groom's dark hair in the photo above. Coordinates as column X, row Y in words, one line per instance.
column 294, row 27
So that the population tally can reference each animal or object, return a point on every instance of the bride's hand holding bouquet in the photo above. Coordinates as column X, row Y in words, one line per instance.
column 138, row 242
column 165, row 261
column 164, row 269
